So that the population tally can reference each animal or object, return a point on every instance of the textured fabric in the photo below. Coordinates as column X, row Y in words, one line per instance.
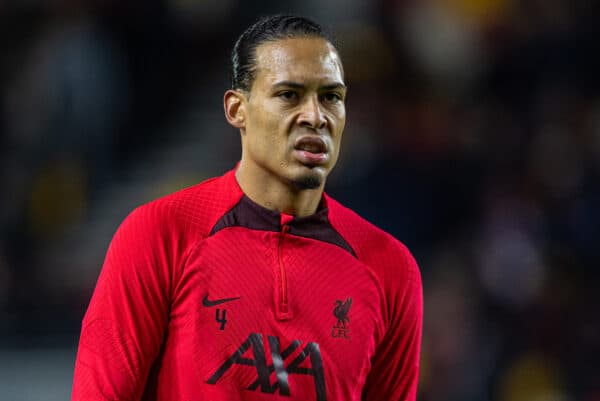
column 205, row 296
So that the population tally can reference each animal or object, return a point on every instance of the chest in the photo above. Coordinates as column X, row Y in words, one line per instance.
column 262, row 312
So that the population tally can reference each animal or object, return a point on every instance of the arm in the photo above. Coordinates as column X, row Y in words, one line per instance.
column 124, row 325
column 395, row 368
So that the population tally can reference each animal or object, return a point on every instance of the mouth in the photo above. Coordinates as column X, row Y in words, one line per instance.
column 311, row 150
column 312, row 144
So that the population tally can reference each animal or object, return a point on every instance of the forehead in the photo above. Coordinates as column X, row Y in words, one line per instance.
column 302, row 60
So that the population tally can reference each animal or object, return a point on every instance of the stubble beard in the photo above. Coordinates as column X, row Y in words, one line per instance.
column 311, row 181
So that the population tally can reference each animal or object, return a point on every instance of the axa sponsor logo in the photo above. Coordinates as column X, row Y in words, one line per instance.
column 252, row 353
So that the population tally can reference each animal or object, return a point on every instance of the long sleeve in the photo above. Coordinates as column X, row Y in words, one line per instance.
column 395, row 368
column 124, row 325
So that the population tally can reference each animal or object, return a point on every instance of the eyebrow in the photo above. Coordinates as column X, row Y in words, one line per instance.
column 297, row 85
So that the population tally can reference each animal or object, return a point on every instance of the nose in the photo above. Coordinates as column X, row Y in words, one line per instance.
column 311, row 115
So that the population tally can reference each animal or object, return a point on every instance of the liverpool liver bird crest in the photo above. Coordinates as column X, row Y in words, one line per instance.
column 341, row 311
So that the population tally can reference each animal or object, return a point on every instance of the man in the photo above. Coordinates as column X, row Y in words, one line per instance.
column 256, row 285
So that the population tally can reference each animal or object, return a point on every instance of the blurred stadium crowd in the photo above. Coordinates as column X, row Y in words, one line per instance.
column 473, row 136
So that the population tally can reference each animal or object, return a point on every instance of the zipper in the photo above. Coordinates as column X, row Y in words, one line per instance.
column 282, row 301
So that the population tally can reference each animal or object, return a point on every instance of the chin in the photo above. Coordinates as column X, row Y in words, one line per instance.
column 308, row 181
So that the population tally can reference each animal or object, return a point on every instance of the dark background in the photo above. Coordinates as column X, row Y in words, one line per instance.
column 473, row 135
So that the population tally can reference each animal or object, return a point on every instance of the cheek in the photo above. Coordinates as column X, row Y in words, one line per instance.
column 341, row 116
column 268, row 120
column 337, row 115
column 266, row 134
column 337, row 136
column 339, row 122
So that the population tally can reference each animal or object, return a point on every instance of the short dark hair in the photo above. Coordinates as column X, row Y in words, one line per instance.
column 267, row 29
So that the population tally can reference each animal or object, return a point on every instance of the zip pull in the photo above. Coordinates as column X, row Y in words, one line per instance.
column 284, row 220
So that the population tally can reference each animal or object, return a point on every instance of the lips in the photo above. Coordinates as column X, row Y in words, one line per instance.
column 311, row 144
column 311, row 151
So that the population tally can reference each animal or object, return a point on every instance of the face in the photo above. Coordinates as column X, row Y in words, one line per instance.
column 294, row 115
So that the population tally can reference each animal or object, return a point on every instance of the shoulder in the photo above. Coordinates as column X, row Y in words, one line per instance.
column 389, row 258
column 195, row 209
column 158, row 236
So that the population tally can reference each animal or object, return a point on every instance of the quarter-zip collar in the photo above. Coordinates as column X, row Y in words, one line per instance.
column 247, row 213
column 253, row 216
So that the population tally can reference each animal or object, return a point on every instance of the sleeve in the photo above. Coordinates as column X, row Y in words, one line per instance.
column 123, row 328
column 395, row 367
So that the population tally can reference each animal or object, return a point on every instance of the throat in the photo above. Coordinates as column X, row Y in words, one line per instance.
column 299, row 197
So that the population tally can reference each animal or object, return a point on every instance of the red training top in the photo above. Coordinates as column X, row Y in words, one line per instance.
column 206, row 296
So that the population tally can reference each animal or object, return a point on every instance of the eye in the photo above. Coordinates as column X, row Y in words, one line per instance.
column 288, row 95
column 332, row 97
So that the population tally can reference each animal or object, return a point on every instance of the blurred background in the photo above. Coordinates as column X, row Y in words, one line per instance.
column 473, row 136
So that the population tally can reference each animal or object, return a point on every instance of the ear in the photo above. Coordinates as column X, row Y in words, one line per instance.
column 234, row 103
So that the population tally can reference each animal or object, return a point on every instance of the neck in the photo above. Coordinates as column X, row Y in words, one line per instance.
column 271, row 192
